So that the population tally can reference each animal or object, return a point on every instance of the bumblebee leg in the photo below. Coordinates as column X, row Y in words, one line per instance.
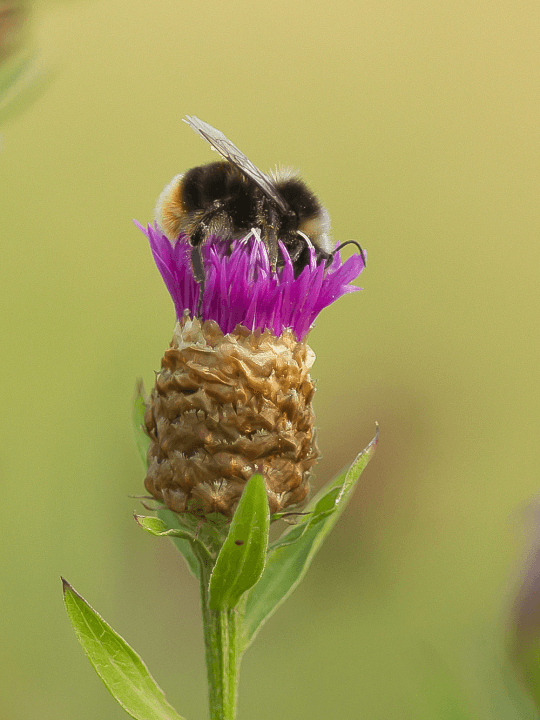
column 197, row 237
column 268, row 221
column 197, row 263
column 198, row 273
column 269, row 237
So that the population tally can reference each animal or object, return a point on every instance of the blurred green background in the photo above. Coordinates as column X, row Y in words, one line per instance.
column 417, row 125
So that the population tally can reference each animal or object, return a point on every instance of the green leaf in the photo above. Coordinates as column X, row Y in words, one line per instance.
column 139, row 408
column 12, row 71
column 20, row 84
column 291, row 555
column 168, row 524
column 157, row 527
column 117, row 664
column 240, row 562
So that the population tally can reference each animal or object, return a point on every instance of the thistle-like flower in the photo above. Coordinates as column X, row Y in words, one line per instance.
column 234, row 393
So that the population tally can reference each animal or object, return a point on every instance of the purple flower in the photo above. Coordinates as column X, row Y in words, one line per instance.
column 241, row 287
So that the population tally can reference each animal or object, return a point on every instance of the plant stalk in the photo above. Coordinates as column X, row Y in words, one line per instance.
column 222, row 652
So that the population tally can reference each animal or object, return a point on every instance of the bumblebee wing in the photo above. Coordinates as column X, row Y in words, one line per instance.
column 230, row 152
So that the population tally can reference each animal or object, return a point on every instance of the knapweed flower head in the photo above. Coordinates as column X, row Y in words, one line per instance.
column 234, row 393
column 242, row 288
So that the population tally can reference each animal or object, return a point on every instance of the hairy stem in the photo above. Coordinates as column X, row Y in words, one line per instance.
column 221, row 640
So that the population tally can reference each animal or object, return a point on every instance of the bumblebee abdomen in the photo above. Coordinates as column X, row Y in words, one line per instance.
column 206, row 184
column 171, row 212
column 221, row 184
column 203, row 185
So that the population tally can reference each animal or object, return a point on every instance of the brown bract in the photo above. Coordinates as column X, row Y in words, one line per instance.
column 227, row 406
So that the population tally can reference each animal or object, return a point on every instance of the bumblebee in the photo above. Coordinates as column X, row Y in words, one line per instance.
column 232, row 198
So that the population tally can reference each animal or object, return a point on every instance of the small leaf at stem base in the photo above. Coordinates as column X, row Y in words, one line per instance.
column 123, row 672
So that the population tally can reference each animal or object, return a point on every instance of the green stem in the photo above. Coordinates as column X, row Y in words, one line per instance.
column 221, row 640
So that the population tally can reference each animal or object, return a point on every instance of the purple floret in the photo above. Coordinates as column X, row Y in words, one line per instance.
column 241, row 287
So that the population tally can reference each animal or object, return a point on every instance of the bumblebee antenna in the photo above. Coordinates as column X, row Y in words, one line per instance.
column 351, row 242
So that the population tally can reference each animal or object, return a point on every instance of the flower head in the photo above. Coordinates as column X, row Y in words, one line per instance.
column 242, row 288
column 234, row 393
